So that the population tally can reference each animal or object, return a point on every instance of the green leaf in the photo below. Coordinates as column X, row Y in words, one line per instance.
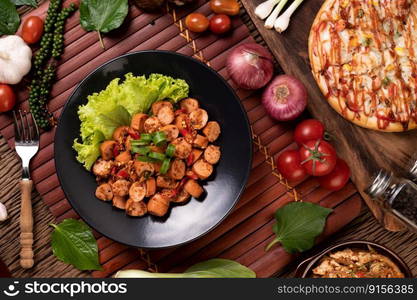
column 298, row 224
column 102, row 15
column 9, row 18
column 32, row 3
column 74, row 243
column 213, row 268
column 88, row 152
column 119, row 116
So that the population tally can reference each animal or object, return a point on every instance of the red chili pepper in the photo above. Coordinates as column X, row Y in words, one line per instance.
column 113, row 170
column 180, row 111
column 123, row 173
column 190, row 159
column 134, row 135
column 180, row 186
column 192, row 175
column 184, row 132
column 116, row 150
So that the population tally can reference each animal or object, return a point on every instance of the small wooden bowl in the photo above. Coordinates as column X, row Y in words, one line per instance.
column 304, row 268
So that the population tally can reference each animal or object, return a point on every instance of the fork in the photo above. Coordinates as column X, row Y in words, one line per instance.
column 26, row 145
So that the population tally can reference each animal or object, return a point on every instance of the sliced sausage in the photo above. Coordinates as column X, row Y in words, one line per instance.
column 106, row 149
column 159, row 104
column 169, row 194
column 182, row 197
column 196, row 154
column 212, row 154
column 102, row 168
column 202, row 169
column 121, row 187
column 193, row 188
column 157, row 149
column 135, row 208
column 182, row 148
column 165, row 182
column 138, row 121
column 165, row 115
column 119, row 202
column 189, row 104
column 158, row 205
column 200, row 141
column 123, row 157
column 177, row 169
column 151, row 125
column 157, row 166
column 150, row 187
column 142, row 167
column 198, row 118
column 171, row 131
column 104, row 192
column 212, row 131
column 120, row 134
column 137, row 191
column 181, row 121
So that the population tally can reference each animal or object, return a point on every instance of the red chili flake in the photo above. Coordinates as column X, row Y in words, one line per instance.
column 190, row 159
column 184, row 132
column 113, row 170
column 116, row 150
column 180, row 111
column 192, row 175
column 133, row 134
column 123, row 173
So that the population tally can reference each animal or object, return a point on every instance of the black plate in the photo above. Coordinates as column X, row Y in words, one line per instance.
column 184, row 222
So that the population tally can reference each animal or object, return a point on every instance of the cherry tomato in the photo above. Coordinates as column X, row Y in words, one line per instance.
column 7, row 98
column 220, row 24
column 289, row 165
column 227, row 7
column 197, row 22
column 337, row 178
column 32, row 30
column 318, row 157
column 310, row 129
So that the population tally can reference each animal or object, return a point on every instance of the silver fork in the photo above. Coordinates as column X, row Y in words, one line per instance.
column 26, row 145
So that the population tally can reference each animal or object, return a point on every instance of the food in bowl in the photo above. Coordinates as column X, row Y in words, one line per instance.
column 356, row 263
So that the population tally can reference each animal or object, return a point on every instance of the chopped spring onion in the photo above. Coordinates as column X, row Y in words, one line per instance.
column 146, row 159
column 159, row 138
column 165, row 165
column 146, row 137
column 170, row 150
column 281, row 24
column 156, row 155
column 139, row 143
column 264, row 9
column 141, row 150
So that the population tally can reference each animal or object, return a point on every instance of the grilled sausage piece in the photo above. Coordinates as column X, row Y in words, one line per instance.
column 212, row 154
column 171, row 132
column 165, row 182
column 165, row 115
column 106, row 149
column 123, row 157
column 121, row 187
column 150, row 187
column 202, row 169
column 189, row 105
column 198, row 118
column 193, row 188
column 138, row 120
column 195, row 155
column 137, row 191
column 104, row 192
column 158, row 205
column 212, row 131
column 135, row 208
column 177, row 169
column 119, row 202
column 142, row 167
column 182, row 148
column 182, row 197
column 170, row 194
column 102, row 168
column 181, row 121
column 159, row 104
column 200, row 141
column 151, row 125
column 120, row 133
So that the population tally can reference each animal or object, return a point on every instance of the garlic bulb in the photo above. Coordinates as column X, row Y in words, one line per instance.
column 3, row 212
column 15, row 59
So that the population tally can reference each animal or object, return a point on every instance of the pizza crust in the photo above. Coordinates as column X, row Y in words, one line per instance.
column 358, row 118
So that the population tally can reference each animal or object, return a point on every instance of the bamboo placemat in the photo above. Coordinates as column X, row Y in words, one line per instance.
column 244, row 234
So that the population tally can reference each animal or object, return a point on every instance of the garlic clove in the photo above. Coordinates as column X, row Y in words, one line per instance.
column 3, row 212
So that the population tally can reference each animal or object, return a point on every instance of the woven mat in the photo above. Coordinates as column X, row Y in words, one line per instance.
column 244, row 234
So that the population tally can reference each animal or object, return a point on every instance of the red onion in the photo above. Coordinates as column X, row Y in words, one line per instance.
column 250, row 66
column 285, row 98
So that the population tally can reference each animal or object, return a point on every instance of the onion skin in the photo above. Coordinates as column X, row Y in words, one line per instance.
column 285, row 98
column 250, row 66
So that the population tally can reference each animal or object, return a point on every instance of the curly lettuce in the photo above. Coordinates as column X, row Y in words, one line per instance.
column 114, row 106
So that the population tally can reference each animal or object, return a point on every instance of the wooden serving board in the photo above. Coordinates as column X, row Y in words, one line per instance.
column 243, row 235
column 366, row 151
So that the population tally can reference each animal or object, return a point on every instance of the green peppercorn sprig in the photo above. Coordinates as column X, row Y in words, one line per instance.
column 44, row 66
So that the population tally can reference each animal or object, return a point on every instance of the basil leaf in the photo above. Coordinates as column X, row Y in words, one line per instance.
column 102, row 15
column 74, row 243
column 9, row 18
column 32, row 3
column 298, row 224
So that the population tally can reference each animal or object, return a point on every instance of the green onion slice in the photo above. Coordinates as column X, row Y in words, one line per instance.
column 146, row 159
column 139, row 143
column 159, row 138
column 141, row 150
column 170, row 150
column 146, row 137
column 165, row 165
column 156, row 155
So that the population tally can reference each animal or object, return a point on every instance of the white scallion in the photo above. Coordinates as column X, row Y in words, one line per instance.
column 3, row 212
column 263, row 10
column 281, row 24
column 269, row 23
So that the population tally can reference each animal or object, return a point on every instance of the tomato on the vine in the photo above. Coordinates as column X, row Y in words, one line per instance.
column 289, row 166
column 197, row 22
column 32, row 29
column 220, row 24
column 337, row 178
column 7, row 98
column 318, row 157
column 310, row 129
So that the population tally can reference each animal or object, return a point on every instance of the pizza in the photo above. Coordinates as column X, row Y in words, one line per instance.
column 363, row 56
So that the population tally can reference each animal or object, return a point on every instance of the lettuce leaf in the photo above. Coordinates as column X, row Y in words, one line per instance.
column 113, row 107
